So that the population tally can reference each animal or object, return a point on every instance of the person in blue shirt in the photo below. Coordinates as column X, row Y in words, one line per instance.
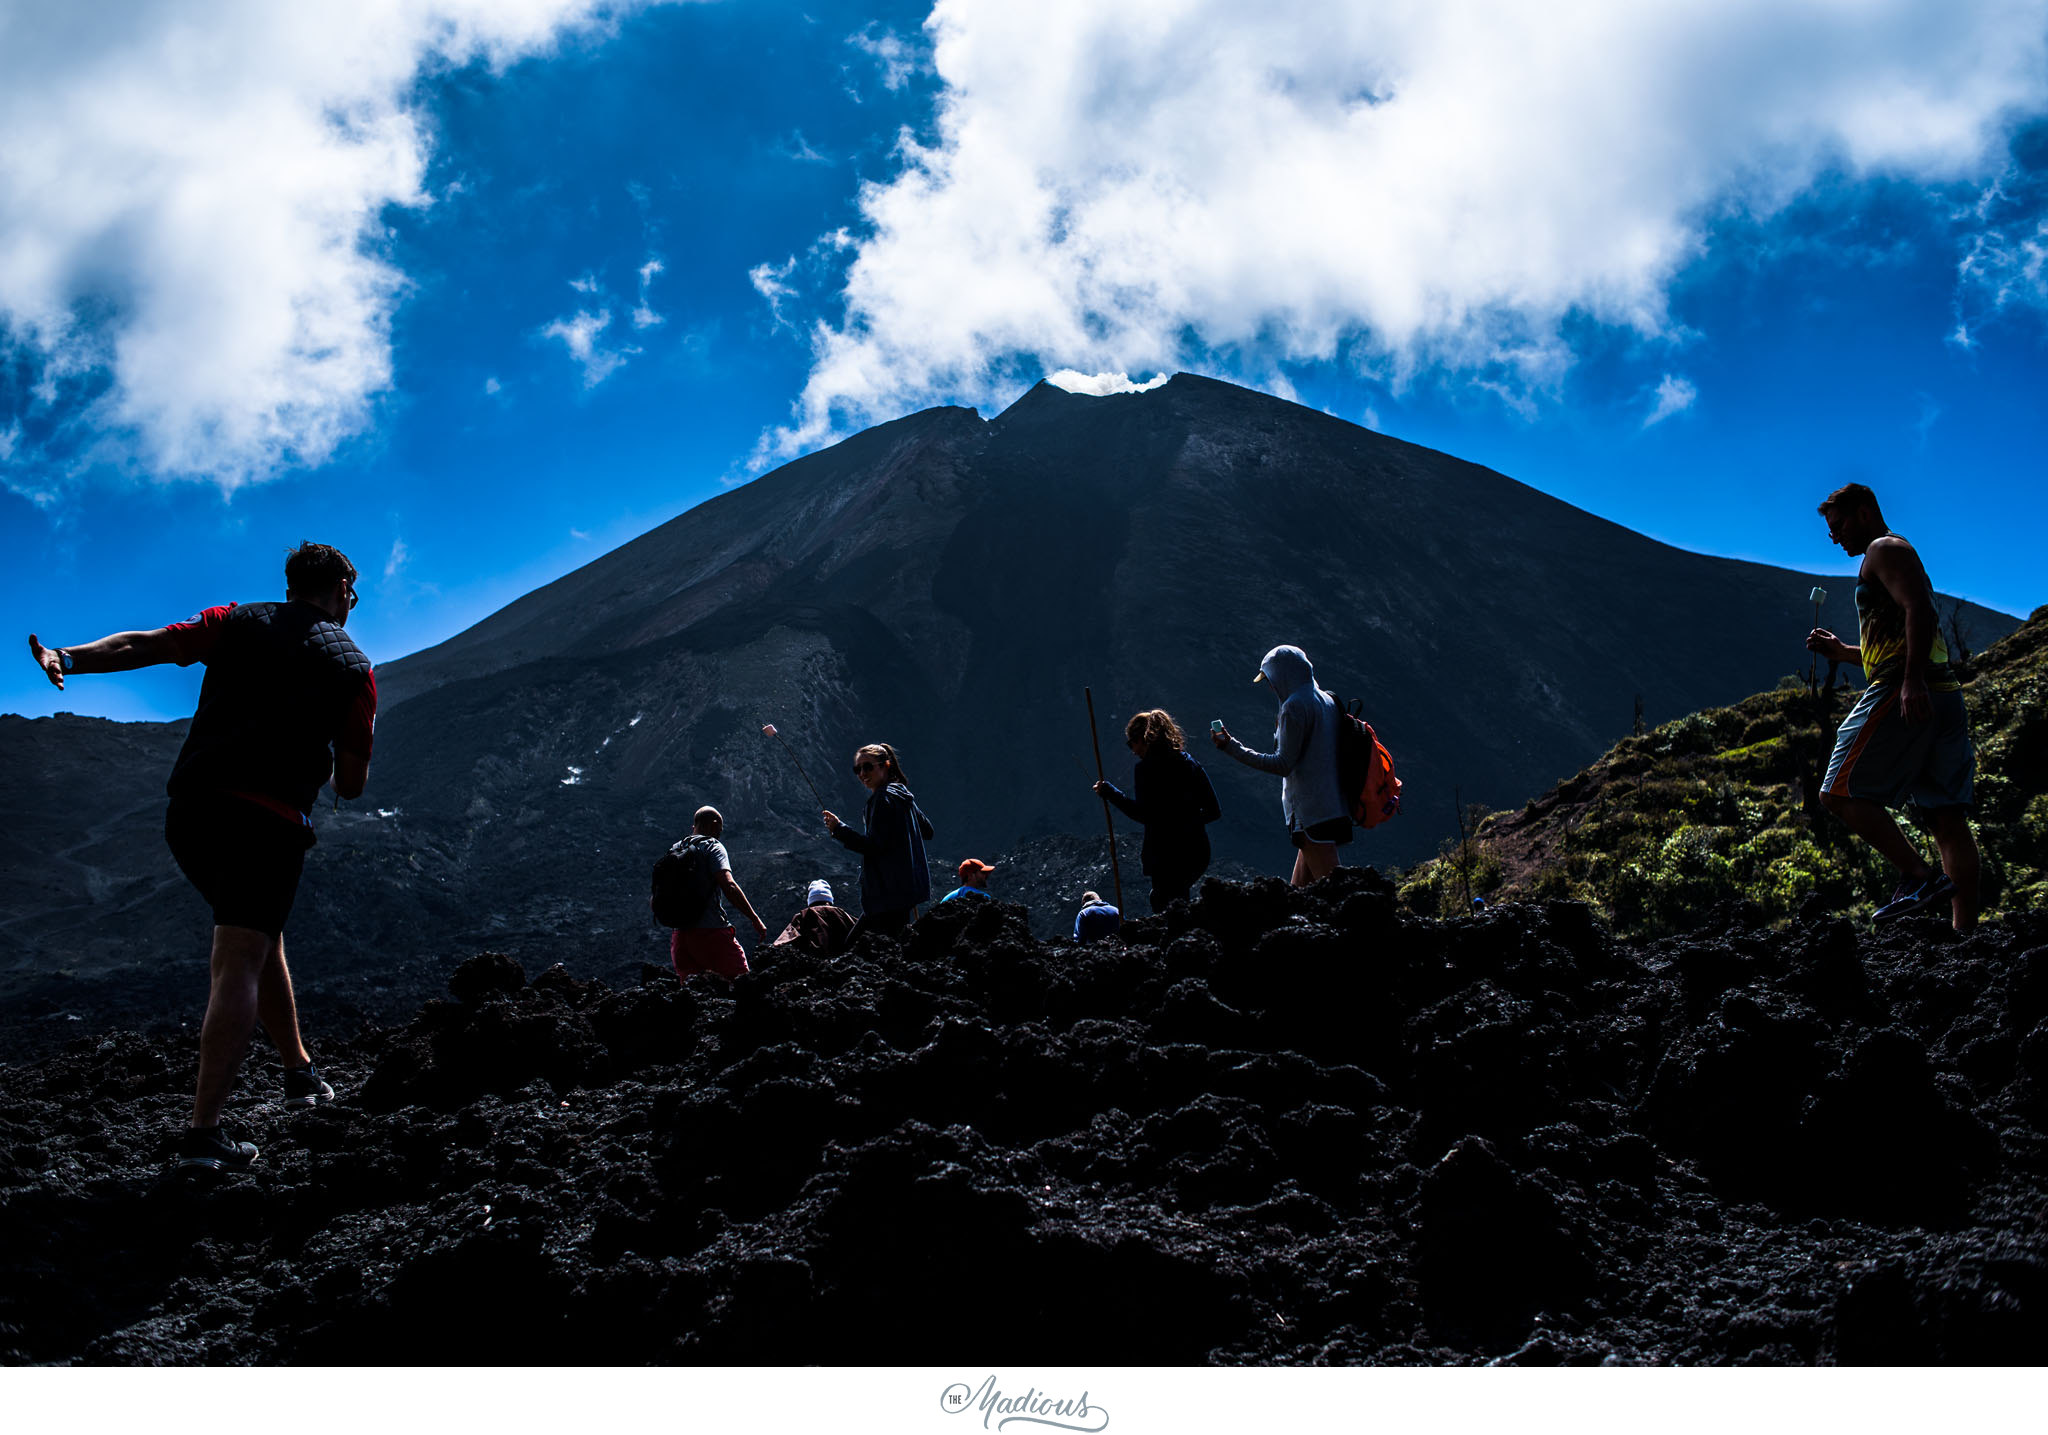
column 973, row 880
column 1096, row 919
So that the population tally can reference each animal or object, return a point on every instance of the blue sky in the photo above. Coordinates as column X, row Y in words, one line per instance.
column 478, row 292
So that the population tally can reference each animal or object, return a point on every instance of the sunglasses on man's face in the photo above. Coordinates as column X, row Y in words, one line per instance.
column 353, row 596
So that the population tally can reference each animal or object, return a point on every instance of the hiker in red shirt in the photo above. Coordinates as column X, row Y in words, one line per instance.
column 289, row 704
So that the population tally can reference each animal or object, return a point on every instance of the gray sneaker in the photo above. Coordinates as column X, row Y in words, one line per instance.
column 304, row 1087
column 208, row 1148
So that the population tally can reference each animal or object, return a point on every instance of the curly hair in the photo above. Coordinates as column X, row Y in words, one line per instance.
column 1154, row 727
column 891, row 768
column 315, row 568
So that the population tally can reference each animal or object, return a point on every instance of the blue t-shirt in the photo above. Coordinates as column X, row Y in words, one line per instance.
column 963, row 892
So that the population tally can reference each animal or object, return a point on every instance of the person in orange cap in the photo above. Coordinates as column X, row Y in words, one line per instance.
column 973, row 880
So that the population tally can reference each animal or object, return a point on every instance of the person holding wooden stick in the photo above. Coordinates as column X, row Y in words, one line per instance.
column 1174, row 802
column 894, row 877
column 1304, row 758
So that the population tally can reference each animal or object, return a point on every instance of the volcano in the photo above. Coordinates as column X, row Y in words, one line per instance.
column 951, row 585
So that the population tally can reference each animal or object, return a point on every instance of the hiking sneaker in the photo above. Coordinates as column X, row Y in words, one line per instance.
column 304, row 1087
column 207, row 1148
column 1916, row 897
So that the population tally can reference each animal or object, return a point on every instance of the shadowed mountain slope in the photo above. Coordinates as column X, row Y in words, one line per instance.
column 950, row 585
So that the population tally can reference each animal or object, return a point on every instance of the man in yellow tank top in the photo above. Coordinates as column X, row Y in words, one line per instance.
column 1908, row 738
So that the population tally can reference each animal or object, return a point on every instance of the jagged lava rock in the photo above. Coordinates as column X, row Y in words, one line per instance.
column 1266, row 1126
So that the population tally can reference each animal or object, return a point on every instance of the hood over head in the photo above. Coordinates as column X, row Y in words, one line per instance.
column 1288, row 670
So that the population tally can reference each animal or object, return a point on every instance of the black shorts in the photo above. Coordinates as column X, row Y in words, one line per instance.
column 1334, row 833
column 244, row 860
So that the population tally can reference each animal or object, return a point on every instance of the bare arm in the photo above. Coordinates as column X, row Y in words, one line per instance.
column 731, row 886
column 351, row 772
column 115, row 653
column 1821, row 641
column 1894, row 564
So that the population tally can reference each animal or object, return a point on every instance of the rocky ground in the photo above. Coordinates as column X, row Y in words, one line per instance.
column 1269, row 1127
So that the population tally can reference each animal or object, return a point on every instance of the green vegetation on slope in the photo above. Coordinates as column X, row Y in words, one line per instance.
column 1723, row 805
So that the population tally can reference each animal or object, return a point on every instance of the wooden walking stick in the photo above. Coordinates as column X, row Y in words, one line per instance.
column 1107, row 820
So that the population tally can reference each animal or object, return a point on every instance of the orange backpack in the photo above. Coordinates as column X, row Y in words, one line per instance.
column 1365, row 769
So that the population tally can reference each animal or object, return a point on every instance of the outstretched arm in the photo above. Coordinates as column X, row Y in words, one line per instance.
column 1130, row 807
column 850, row 839
column 731, row 884
column 115, row 653
column 1286, row 754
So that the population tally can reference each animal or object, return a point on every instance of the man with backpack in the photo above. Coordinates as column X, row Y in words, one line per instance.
column 687, row 883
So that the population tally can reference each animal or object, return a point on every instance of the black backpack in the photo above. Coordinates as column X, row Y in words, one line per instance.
column 684, row 880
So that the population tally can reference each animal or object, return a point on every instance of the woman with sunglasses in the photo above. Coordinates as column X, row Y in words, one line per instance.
column 893, row 876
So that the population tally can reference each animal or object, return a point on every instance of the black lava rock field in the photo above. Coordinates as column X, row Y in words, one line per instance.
column 1268, row 1127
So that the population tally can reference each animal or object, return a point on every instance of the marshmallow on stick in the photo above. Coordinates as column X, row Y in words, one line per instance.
column 768, row 730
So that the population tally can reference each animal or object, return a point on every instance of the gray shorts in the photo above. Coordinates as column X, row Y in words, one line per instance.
column 1882, row 757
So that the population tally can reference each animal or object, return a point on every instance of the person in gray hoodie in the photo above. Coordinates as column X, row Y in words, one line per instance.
column 1304, row 758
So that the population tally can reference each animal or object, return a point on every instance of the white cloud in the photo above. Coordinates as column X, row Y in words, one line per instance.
column 1674, row 396
column 584, row 284
column 1101, row 385
column 895, row 57
column 492, row 386
column 400, row 556
column 644, row 316
column 191, row 200
column 801, row 150
column 1400, row 187
column 2005, row 264
column 771, row 282
column 579, row 335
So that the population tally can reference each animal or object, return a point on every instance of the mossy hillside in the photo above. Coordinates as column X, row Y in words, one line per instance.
column 1723, row 805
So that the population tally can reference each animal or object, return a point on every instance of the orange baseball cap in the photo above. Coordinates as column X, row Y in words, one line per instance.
column 974, row 867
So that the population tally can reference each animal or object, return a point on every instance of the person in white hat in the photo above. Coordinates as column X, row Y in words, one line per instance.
column 820, row 926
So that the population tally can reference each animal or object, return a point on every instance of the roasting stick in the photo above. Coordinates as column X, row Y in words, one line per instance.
column 1107, row 820
column 1819, row 596
column 768, row 730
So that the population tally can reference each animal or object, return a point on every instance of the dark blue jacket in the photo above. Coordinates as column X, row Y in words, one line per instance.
column 1096, row 921
column 893, row 876
column 1174, row 801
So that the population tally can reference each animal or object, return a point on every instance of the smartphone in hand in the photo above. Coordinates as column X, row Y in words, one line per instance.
column 1215, row 724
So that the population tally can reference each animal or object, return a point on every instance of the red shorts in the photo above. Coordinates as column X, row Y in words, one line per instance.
column 707, row 949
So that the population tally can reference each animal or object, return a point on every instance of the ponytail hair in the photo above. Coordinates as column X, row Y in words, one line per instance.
column 892, row 770
column 1153, row 728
